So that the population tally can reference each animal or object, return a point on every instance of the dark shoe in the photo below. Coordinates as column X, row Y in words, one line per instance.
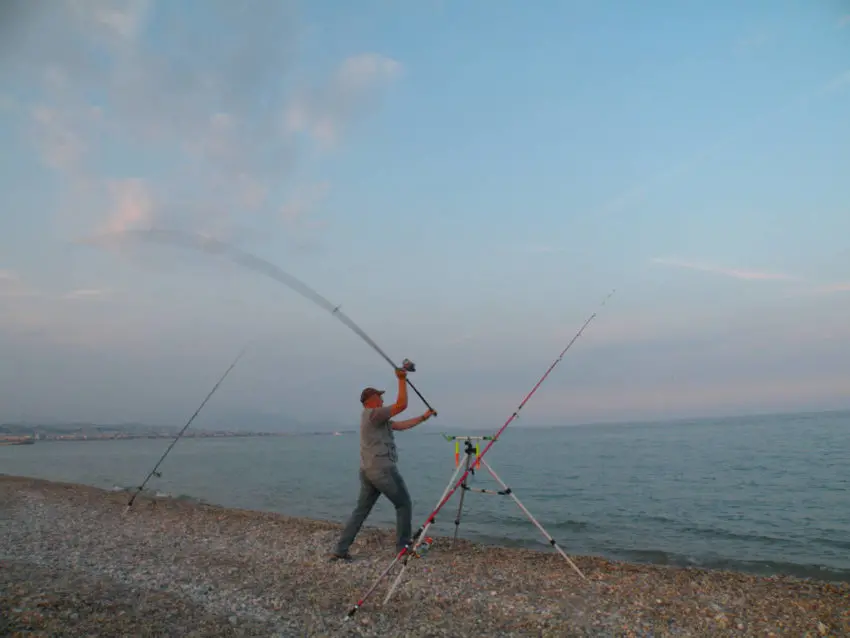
column 346, row 557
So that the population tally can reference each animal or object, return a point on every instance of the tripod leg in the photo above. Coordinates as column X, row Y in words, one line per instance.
column 419, row 538
column 551, row 540
column 460, row 504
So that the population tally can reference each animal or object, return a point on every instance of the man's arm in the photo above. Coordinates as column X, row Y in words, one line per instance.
column 406, row 425
column 400, row 404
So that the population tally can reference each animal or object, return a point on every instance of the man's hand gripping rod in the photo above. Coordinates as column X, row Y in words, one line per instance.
column 408, row 366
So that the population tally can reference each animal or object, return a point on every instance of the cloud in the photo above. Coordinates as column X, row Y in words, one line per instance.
column 61, row 145
column 750, row 275
column 176, row 126
column 832, row 288
column 11, row 285
column 86, row 293
column 804, row 287
column 323, row 112
column 132, row 205
column 303, row 200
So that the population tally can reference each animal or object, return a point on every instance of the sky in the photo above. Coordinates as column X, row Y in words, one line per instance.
column 467, row 181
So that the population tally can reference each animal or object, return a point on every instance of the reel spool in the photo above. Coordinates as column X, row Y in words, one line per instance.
column 408, row 365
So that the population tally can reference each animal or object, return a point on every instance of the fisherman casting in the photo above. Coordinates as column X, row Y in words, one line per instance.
column 378, row 471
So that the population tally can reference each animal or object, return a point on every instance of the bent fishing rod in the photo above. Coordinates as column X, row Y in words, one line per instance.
column 408, row 549
column 257, row 264
column 185, row 427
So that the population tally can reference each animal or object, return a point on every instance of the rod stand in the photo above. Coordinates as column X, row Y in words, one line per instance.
column 472, row 461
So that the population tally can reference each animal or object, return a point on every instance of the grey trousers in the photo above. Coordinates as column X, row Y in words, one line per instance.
column 372, row 484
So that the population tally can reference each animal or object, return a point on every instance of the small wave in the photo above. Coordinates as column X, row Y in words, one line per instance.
column 717, row 532
column 832, row 542
column 163, row 496
column 657, row 518
column 190, row 499
column 653, row 556
column 764, row 568
column 185, row 498
column 572, row 525
column 518, row 520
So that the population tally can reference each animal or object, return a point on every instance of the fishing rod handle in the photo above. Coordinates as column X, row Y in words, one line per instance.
column 419, row 394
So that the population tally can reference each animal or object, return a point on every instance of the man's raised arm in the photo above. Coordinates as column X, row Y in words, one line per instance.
column 400, row 404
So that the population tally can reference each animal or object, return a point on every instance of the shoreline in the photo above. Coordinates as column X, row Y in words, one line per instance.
column 71, row 557
column 765, row 567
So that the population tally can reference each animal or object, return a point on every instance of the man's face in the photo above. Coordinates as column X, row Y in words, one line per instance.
column 374, row 401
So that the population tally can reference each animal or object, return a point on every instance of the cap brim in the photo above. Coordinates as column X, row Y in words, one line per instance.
column 374, row 392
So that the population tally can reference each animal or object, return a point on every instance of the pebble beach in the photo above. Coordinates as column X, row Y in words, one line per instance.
column 74, row 561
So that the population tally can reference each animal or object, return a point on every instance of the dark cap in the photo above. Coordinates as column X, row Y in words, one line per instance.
column 369, row 392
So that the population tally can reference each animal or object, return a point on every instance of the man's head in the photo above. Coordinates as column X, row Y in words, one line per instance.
column 372, row 398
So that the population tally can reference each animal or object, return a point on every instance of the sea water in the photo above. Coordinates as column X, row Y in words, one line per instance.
column 766, row 494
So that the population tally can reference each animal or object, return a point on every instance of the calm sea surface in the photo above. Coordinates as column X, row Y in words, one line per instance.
column 761, row 494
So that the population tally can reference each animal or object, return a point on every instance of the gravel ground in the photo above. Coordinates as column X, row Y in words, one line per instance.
column 75, row 562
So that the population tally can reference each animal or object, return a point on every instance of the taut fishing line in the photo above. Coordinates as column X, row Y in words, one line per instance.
column 252, row 262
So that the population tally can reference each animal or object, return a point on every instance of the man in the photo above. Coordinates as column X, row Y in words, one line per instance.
column 378, row 471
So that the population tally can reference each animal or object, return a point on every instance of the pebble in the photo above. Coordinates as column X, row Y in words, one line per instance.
column 73, row 562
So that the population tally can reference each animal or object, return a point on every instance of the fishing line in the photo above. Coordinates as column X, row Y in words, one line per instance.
column 408, row 549
column 257, row 264
column 185, row 427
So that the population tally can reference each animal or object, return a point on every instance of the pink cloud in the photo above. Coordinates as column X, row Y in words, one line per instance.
column 133, row 205
column 228, row 153
column 750, row 275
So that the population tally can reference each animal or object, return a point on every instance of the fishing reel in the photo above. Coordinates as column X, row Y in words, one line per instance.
column 408, row 366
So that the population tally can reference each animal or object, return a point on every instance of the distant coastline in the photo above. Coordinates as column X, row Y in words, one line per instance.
column 27, row 434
